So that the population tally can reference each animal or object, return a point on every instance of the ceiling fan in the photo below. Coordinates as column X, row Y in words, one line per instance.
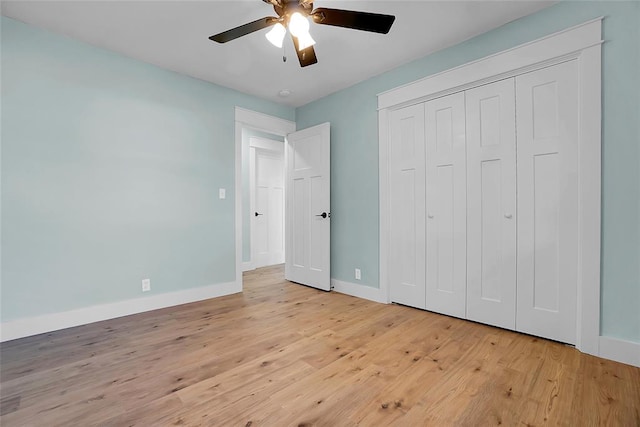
column 294, row 15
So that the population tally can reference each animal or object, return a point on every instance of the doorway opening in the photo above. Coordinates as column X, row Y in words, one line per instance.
column 262, row 199
column 259, row 124
column 306, row 192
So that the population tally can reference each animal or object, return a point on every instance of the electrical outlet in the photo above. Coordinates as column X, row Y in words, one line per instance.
column 146, row 285
column 358, row 275
column 222, row 193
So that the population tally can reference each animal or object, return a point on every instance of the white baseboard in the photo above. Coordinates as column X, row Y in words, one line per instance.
column 247, row 266
column 610, row 348
column 360, row 291
column 52, row 322
column 620, row 350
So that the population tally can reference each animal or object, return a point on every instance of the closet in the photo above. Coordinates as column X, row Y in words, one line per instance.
column 483, row 203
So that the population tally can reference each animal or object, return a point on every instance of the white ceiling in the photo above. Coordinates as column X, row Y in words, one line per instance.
column 174, row 35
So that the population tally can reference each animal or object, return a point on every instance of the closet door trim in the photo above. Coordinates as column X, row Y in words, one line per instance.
column 582, row 43
column 549, row 50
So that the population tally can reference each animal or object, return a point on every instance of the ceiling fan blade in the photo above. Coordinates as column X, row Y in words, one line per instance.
column 305, row 56
column 365, row 21
column 243, row 30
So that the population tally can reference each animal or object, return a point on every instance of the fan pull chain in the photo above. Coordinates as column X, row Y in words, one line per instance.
column 284, row 52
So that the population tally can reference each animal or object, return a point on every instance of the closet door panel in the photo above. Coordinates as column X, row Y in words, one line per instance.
column 407, row 207
column 491, row 204
column 547, row 130
column 446, row 205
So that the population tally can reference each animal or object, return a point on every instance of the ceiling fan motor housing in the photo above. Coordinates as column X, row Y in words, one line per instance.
column 286, row 8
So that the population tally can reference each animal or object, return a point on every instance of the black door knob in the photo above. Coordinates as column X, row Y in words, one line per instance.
column 323, row 215
column 257, row 214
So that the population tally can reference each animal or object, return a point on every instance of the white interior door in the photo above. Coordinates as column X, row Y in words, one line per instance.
column 491, row 204
column 267, row 202
column 308, row 207
column 547, row 112
column 446, row 224
column 407, row 207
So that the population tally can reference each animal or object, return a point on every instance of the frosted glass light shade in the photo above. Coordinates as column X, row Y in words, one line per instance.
column 298, row 25
column 276, row 35
column 304, row 41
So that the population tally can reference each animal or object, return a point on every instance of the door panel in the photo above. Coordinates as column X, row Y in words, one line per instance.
column 547, row 128
column 317, row 256
column 276, row 221
column 445, row 211
column 446, row 205
column 261, row 236
column 407, row 207
column 300, row 222
column 491, row 190
column 546, row 284
column 307, row 198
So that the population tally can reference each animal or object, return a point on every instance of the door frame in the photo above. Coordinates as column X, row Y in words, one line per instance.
column 247, row 119
column 581, row 43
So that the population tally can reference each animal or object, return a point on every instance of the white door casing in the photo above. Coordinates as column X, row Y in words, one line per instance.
column 548, row 111
column 308, row 228
column 581, row 44
column 267, row 201
column 446, row 223
column 407, row 207
column 491, row 204
column 244, row 120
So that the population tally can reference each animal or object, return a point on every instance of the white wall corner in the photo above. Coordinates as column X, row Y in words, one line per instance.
column 247, row 266
column 620, row 350
column 25, row 327
column 359, row 291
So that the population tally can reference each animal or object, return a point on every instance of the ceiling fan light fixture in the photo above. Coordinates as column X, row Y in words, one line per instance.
column 293, row 17
column 276, row 35
column 298, row 25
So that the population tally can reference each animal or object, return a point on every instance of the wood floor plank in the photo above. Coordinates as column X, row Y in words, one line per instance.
column 282, row 354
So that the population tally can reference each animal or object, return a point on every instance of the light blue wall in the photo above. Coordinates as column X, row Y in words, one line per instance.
column 110, row 167
column 110, row 174
column 354, row 150
column 246, row 188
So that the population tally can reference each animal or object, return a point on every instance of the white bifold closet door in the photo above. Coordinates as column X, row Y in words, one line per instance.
column 407, row 207
column 547, row 119
column 484, row 203
column 491, row 204
column 446, row 223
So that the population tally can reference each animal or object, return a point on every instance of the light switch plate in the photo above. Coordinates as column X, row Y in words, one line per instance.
column 222, row 193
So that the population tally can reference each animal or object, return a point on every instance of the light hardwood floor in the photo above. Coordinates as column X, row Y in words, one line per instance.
column 282, row 354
